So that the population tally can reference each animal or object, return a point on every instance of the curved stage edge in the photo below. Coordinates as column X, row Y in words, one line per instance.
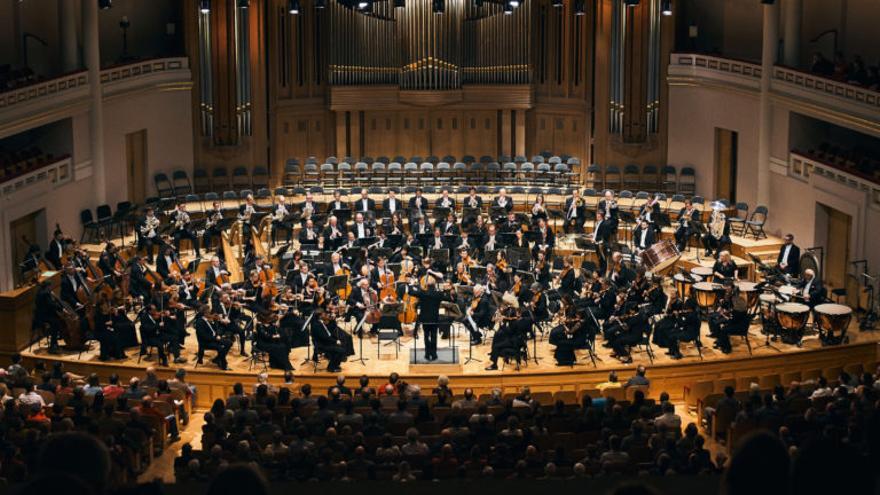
column 671, row 377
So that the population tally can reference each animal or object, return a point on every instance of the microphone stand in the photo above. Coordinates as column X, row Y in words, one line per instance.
column 308, row 340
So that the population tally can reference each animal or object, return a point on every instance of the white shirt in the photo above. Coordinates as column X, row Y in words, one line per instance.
column 785, row 254
column 472, row 201
column 642, row 239
column 572, row 210
column 392, row 205
column 438, row 243
column 502, row 201
column 445, row 202
column 361, row 231
column 365, row 205
column 596, row 229
column 807, row 287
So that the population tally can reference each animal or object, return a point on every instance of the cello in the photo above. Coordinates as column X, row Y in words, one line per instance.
column 372, row 315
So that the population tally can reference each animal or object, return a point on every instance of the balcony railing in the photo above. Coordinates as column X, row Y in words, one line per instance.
column 787, row 82
column 56, row 173
column 802, row 166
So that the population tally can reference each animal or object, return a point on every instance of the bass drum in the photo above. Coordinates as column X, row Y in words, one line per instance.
column 660, row 257
column 810, row 261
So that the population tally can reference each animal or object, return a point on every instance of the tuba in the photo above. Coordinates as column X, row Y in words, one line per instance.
column 716, row 227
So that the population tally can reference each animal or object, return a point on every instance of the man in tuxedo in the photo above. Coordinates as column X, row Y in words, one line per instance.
column 601, row 236
column 686, row 218
column 444, row 201
column 447, row 226
column 70, row 283
column 574, row 213
column 334, row 233
column 480, row 317
column 360, row 228
column 608, row 207
column 325, row 336
column 546, row 239
column 308, row 207
column 811, row 289
column 472, row 201
column 210, row 339
column 359, row 300
column 165, row 262
column 420, row 226
column 391, row 204
column 337, row 203
column 231, row 321
column 429, row 313
column 213, row 217
column 56, row 249
column 437, row 242
column 364, row 204
column 789, row 258
column 182, row 229
column 148, row 237
column 492, row 241
column 152, row 328
column 643, row 236
column 308, row 234
column 503, row 201
column 417, row 204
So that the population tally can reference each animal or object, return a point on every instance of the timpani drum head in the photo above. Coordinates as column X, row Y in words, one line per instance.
column 793, row 308
column 768, row 298
column 833, row 309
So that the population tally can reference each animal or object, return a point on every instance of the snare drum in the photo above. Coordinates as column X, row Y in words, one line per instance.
column 748, row 292
column 660, row 257
column 704, row 272
column 705, row 294
column 833, row 320
column 683, row 285
column 792, row 316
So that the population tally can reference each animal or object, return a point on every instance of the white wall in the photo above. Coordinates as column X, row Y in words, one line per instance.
column 695, row 111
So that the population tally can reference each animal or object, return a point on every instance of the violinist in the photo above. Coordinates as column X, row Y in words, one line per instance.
column 542, row 269
column 462, row 268
column 567, row 336
column 105, row 330
column 686, row 218
column 269, row 340
column 519, row 290
column 182, row 229
column 361, row 299
column 329, row 340
column 686, row 324
column 213, row 227
column 139, row 285
column 538, row 303
column 567, row 279
column 509, row 340
column 187, row 290
column 619, row 274
column 209, row 338
column 495, row 280
column 479, row 314
column 731, row 318
column 175, row 329
column 152, row 325
column 387, row 295
column 253, row 293
column 230, row 321
column 626, row 331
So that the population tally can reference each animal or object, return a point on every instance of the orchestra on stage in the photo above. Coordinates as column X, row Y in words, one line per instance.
column 327, row 275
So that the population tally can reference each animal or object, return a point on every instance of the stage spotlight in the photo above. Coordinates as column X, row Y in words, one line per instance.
column 513, row 3
column 439, row 6
column 666, row 7
column 580, row 7
column 368, row 8
column 293, row 7
column 399, row 4
column 205, row 6
column 557, row 4
column 105, row 4
column 320, row 4
column 508, row 8
column 243, row 4
column 363, row 4
column 631, row 3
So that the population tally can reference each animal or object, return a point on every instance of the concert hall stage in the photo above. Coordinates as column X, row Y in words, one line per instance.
column 666, row 374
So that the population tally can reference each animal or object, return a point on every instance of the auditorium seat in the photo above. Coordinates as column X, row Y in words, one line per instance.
column 328, row 173
column 687, row 181
column 755, row 223
column 181, row 184
column 444, row 173
column 311, row 173
column 219, row 179
column 648, row 181
column 292, row 172
column 738, row 222
column 240, row 178
column 89, row 226
column 201, row 181
column 509, row 171
column 164, row 188
column 669, row 180
column 395, row 173
column 631, row 176
column 613, row 178
column 259, row 177
column 345, row 177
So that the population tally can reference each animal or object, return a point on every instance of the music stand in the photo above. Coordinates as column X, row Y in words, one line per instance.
column 497, row 211
column 439, row 255
column 528, row 278
column 506, row 238
column 489, row 256
column 698, row 229
column 470, row 213
column 452, row 311
column 477, row 273
column 440, row 212
column 342, row 215
column 425, row 239
column 394, row 240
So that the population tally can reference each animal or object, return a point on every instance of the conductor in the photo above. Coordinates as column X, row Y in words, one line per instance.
column 429, row 313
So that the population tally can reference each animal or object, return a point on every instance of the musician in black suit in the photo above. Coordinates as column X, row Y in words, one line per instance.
column 609, row 208
column 308, row 208
column 472, row 200
column 447, row 226
column 138, row 283
column 429, row 313
column 503, row 201
column 209, row 338
column 231, row 321
column 364, row 204
column 181, row 229
column 718, row 234
column 650, row 211
column 811, row 289
column 326, row 337
column 643, row 236
column 270, row 341
column 56, row 249
column 681, row 323
column 732, row 318
column 445, row 201
column 308, row 234
column 152, row 331
column 361, row 299
column 480, row 314
column 632, row 328
column 279, row 215
column 601, row 236
column 546, row 239
column 46, row 313
column 417, row 204
column 334, row 232
column 70, row 283
column 147, row 233
column 686, row 218
column 789, row 258
column 391, row 204
column 165, row 261
column 360, row 227
column 574, row 213
column 567, row 279
column 437, row 241
column 724, row 268
column 213, row 230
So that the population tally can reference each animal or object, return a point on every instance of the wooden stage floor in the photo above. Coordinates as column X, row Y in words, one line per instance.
column 666, row 372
